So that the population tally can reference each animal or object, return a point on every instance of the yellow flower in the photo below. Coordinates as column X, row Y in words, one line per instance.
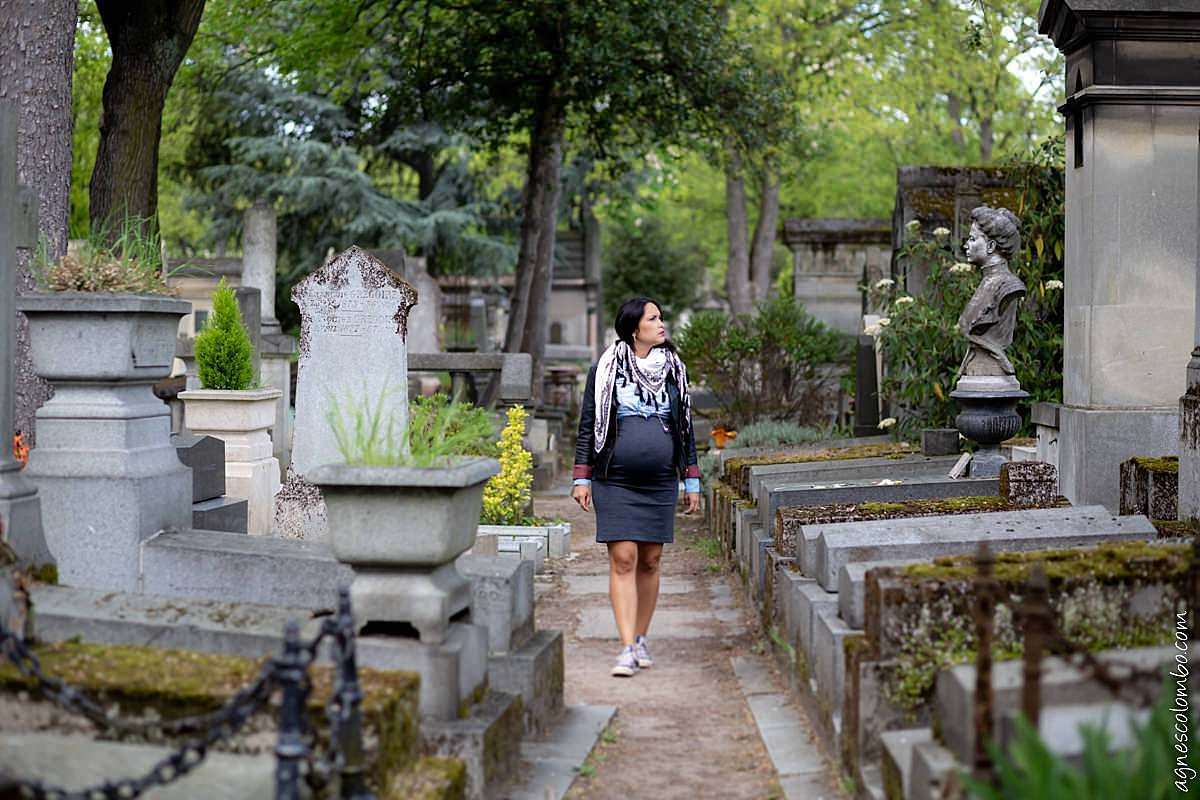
column 506, row 496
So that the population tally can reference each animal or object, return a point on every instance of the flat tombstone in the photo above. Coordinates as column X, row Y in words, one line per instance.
column 353, row 350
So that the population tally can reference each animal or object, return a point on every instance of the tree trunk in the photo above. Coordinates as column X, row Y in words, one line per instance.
column 36, row 60
column 763, row 249
column 737, row 275
column 149, row 39
column 592, row 266
column 528, row 309
column 987, row 138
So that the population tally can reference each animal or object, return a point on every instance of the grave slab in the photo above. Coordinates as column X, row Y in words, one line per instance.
column 598, row 584
column 1062, row 685
column 236, row 567
column 852, row 588
column 811, row 600
column 551, row 763
column 932, row 766
column 535, row 672
column 847, row 469
column 774, row 496
column 487, row 740
column 75, row 761
column 225, row 514
column 897, row 759
column 927, row 537
column 829, row 666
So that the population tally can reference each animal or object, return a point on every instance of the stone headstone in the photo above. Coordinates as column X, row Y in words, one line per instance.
column 425, row 320
column 258, row 259
column 206, row 456
column 354, row 314
column 939, row 441
column 1029, row 483
column 249, row 302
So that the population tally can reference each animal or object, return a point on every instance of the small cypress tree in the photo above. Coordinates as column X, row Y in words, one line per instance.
column 223, row 350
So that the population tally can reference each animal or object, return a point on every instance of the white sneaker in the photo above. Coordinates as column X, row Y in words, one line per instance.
column 627, row 663
column 641, row 652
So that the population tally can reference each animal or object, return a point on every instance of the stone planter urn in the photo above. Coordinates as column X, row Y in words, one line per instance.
column 104, row 464
column 400, row 529
column 241, row 419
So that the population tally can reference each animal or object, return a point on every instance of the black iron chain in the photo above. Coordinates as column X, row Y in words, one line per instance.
column 76, row 701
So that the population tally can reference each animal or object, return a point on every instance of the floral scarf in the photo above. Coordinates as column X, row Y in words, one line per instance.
column 649, row 375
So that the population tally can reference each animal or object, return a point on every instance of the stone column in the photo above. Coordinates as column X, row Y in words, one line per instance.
column 258, row 258
column 273, row 348
column 1132, row 112
column 1189, row 406
column 20, row 508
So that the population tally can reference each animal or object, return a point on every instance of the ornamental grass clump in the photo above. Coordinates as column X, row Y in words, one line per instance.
column 507, row 496
column 368, row 432
column 224, row 355
column 127, row 262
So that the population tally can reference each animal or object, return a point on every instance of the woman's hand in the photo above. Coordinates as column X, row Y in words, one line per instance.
column 583, row 496
column 691, row 502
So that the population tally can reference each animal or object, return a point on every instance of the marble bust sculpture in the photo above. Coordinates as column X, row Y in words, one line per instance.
column 989, row 318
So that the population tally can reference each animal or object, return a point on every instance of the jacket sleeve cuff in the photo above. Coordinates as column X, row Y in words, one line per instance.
column 693, row 471
column 585, row 471
column 691, row 485
column 581, row 482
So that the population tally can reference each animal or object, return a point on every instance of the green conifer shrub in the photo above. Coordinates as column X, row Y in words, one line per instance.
column 223, row 351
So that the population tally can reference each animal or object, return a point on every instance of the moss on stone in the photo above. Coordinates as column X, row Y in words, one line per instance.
column 45, row 573
column 431, row 778
column 1109, row 563
column 1168, row 464
column 176, row 683
column 860, row 512
column 1176, row 529
column 737, row 470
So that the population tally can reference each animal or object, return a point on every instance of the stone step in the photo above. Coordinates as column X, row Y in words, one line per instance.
column 550, row 763
column 932, row 767
column 897, row 760
column 487, row 739
column 847, row 470
column 852, row 588
column 829, row 661
column 1062, row 685
column 249, row 569
column 807, row 600
column 535, row 672
column 928, row 537
column 886, row 489
column 74, row 762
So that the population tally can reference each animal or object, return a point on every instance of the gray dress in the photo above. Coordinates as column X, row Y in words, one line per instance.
column 636, row 500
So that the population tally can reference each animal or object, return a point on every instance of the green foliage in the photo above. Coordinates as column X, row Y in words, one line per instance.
column 368, row 432
column 772, row 433
column 642, row 260
column 507, row 497
column 1162, row 763
column 127, row 262
column 921, row 344
column 763, row 366
column 224, row 354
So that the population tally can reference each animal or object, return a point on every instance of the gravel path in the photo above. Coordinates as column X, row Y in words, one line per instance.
column 683, row 727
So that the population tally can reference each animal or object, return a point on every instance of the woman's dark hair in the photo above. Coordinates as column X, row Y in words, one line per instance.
column 629, row 316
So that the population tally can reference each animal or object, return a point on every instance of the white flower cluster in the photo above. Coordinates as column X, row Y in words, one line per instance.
column 962, row 266
column 884, row 424
column 913, row 225
column 872, row 330
column 884, row 283
column 885, row 321
column 941, row 233
column 1054, row 284
column 903, row 301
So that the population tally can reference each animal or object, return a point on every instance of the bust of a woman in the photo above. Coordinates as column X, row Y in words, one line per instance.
column 990, row 316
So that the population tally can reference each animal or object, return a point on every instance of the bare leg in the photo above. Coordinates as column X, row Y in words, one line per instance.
column 623, row 586
column 648, row 555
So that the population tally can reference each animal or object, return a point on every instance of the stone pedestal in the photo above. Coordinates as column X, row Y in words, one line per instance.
column 988, row 417
column 104, row 465
column 258, row 258
column 241, row 419
column 1132, row 112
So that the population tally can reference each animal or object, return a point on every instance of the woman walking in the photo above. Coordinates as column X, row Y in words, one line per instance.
column 635, row 443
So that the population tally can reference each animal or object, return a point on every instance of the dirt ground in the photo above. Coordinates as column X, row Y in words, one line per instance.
column 683, row 728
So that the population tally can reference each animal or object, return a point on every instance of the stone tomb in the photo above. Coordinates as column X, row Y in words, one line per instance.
column 353, row 356
column 211, row 509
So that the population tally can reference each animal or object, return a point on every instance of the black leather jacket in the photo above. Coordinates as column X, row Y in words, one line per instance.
column 592, row 464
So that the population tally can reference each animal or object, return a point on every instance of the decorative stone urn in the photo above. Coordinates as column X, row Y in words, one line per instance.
column 104, row 465
column 241, row 419
column 401, row 528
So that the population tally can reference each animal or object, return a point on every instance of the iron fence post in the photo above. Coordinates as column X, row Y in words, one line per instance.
column 353, row 777
column 1037, row 623
column 985, row 607
column 291, row 748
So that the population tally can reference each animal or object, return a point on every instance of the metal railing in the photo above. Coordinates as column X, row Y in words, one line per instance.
column 1041, row 636
column 297, row 758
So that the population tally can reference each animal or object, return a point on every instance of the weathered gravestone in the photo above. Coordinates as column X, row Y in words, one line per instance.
column 353, row 357
column 20, row 508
